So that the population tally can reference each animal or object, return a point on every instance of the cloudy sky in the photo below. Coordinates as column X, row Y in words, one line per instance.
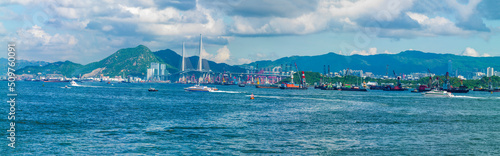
column 240, row 31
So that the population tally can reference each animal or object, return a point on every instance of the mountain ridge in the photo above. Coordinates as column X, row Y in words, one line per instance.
column 404, row 62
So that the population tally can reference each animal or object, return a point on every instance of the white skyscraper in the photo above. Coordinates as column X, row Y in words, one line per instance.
column 490, row 72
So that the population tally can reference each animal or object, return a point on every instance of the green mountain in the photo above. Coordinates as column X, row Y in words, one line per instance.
column 129, row 61
column 67, row 68
column 404, row 62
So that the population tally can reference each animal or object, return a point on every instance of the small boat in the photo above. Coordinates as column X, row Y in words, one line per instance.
column 73, row 83
column 355, row 88
column 66, row 87
column 415, row 91
column 198, row 88
column 241, row 85
column 152, row 89
column 437, row 93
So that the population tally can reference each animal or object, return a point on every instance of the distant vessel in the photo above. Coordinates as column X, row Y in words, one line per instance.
column 66, row 87
column 347, row 87
column 241, row 85
column 55, row 80
column 267, row 86
column 353, row 88
column 437, row 93
column 301, row 86
column 447, row 86
column 73, row 83
column 198, row 88
column 152, row 89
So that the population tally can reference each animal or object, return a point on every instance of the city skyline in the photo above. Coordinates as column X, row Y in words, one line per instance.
column 237, row 31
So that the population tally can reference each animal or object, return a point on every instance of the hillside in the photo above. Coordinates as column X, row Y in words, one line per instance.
column 129, row 61
column 67, row 68
column 404, row 62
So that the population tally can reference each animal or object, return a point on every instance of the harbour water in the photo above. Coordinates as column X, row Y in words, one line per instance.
column 103, row 119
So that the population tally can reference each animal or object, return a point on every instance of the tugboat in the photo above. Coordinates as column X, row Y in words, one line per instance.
column 396, row 88
column 151, row 89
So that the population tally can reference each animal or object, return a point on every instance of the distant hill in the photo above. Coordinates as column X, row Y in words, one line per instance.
column 19, row 64
column 404, row 62
column 65, row 68
column 128, row 61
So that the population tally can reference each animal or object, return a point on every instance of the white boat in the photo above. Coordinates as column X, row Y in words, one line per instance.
column 437, row 93
column 73, row 83
column 198, row 88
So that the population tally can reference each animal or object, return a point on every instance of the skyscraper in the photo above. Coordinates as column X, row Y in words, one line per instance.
column 490, row 72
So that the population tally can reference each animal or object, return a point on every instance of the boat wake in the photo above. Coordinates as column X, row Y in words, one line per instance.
column 220, row 91
column 468, row 97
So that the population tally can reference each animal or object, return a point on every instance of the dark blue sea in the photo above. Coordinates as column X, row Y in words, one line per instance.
column 125, row 119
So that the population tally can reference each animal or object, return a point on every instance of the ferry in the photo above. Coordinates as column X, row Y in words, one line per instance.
column 437, row 93
column 198, row 88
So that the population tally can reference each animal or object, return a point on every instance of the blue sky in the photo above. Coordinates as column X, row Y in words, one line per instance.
column 241, row 31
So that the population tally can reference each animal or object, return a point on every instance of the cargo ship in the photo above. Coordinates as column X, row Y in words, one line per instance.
column 489, row 89
column 449, row 88
column 301, row 86
column 398, row 87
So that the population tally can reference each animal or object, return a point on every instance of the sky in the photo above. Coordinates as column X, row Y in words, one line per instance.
column 243, row 31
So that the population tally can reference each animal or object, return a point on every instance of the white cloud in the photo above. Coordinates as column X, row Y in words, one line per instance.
column 371, row 51
column 470, row 52
column 436, row 26
column 107, row 28
column 486, row 55
column 35, row 42
column 222, row 55
column 244, row 61
column 465, row 10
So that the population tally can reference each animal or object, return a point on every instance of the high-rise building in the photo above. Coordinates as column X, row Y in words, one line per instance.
column 157, row 72
column 490, row 72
